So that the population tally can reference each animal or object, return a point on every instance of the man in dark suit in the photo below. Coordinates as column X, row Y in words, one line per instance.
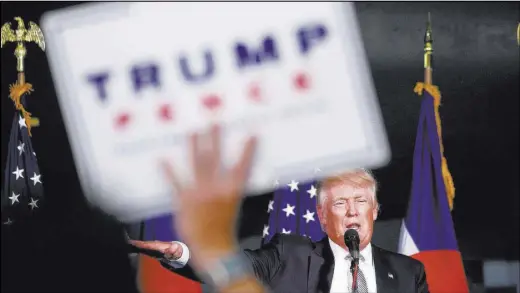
column 290, row 263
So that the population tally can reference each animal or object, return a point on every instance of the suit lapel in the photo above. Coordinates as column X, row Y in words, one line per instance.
column 386, row 277
column 321, row 268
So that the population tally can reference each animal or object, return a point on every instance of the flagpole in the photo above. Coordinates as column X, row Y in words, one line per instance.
column 20, row 36
column 436, row 95
column 428, row 53
column 19, row 58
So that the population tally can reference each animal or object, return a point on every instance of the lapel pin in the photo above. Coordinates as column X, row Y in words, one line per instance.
column 390, row 276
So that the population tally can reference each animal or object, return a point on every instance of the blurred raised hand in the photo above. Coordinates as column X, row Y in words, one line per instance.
column 208, row 206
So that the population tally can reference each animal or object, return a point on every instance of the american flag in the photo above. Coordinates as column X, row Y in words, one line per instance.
column 22, row 192
column 293, row 211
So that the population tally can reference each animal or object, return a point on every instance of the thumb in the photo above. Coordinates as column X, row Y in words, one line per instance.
column 175, row 250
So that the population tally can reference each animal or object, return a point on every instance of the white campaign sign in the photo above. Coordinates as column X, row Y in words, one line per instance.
column 133, row 79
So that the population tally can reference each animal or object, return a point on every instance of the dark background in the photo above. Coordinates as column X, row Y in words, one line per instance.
column 476, row 68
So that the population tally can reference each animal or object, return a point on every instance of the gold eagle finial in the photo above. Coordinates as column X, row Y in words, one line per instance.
column 22, row 35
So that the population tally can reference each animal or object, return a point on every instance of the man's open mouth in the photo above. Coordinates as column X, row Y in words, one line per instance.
column 353, row 226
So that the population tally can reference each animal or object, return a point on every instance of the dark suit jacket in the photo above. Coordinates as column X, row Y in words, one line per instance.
column 291, row 263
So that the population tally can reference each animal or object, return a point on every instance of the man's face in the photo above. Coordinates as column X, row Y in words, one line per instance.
column 346, row 207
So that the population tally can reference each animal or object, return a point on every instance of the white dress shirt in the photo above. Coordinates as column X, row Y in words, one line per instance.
column 342, row 278
column 181, row 261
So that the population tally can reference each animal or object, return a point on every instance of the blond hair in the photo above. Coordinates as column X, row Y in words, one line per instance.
column 357, row 178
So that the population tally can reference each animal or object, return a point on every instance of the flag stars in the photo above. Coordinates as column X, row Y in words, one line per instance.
column 14, row 198
column 21, row 147
column 36, row 178
column 286, row 231
column 266, row 231
column 33, row 203
column 309, row 217
column 312, row 191
column 18, row 172
column 270, row 206
column 21, row 122
column 293, row 185
column 289, row 210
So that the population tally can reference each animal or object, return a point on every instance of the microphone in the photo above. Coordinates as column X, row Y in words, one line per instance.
column 351, row 238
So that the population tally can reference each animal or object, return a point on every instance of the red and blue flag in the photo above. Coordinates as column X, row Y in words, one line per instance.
column 427, row 232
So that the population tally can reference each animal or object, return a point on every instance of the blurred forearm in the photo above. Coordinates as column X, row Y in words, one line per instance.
column 210, row 255
column 248, row 284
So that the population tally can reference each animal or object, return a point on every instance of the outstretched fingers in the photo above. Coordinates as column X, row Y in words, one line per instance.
column 243, row 166
column 206, row 153
column 216, row 152
column 171, row 176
